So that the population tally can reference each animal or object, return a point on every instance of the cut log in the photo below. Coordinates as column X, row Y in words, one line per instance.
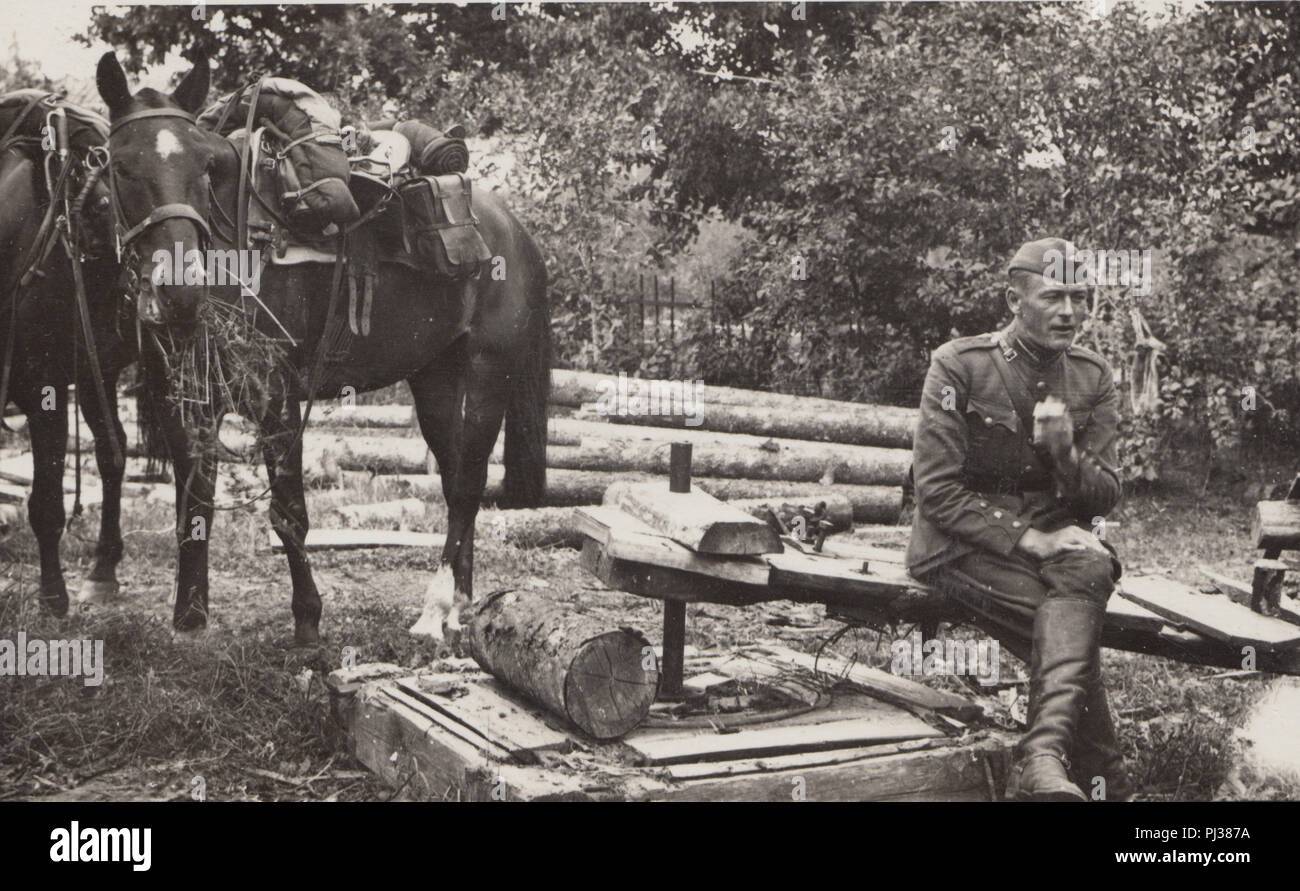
column 384, row 513
column 598, row 679
column 874, row 425
column 575, row 388
column 695, row 519
column 570, row 488
column 791, row 461
column 1276, row 525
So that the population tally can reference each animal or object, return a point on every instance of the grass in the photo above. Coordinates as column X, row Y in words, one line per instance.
column 249, row 715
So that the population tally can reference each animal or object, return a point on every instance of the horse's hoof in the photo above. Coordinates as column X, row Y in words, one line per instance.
column 197, row 634
column 427, row 627
column 94, row 592
column 55, row 604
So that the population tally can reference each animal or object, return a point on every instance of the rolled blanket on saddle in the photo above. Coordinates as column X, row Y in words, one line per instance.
column 433, row 152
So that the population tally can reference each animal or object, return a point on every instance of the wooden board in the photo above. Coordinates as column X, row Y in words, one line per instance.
column 351, row 539
column 476, row 700
column 624, row 537
column 970, row 773
column 884, row 727
column 1276, row 525
column 703, row 769
column 695, row 519
column 1212, row 615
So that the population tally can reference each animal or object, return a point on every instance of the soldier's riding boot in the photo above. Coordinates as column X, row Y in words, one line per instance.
column 1097, row 752
column 1063, row 669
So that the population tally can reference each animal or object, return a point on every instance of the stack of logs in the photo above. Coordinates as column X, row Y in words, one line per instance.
column 749, row 446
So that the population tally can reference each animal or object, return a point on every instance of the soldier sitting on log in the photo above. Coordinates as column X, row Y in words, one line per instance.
column 1014, row 464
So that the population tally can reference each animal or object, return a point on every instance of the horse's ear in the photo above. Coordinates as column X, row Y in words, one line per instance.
column 111, row 80
column 193, row 90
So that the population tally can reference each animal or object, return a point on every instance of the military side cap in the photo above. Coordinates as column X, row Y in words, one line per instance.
column 1049, row 257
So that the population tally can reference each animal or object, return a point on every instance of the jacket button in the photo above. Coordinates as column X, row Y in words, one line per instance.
column 984, row 504
column 1016, row 524
column 1042, row 386
column 997, row 515
column 988, row 422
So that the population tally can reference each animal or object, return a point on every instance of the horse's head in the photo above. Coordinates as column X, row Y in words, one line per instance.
column 160, row 177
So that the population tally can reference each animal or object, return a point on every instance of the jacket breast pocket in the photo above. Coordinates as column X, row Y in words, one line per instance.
column 993, row 430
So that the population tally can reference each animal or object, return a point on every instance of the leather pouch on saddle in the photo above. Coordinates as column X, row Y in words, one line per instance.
column 308, row 159
column 441, row 228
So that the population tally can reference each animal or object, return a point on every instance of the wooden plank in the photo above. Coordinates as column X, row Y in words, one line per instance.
column 664, row 583
column 485, row 706
column 352, row 539
column 886, row 727
column 695, row 519
column 466, row 734
column 1244, row 593
column 1275, row 525
column 843, row 577
column 880, row 684
column 703, row 769
column 969, row 773
column 1124, row 615
column 624, row 537
column 407, row 750
column 1213, row 615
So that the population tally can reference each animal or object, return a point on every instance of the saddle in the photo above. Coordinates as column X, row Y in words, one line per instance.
column 414, row 179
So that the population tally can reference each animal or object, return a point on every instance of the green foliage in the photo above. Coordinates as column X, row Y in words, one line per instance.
column 899, row 151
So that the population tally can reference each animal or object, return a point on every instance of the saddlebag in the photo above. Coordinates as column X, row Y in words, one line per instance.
column 441, row 228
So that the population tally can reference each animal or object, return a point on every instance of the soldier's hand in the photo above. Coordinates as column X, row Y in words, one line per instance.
column 1045, row 545
column 1053, row 431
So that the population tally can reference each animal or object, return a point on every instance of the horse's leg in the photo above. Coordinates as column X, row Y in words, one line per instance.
column 102, row 581
column 282, row 451
column 49, row 435
column 487, row 394
column 438, row 392
column 195, row 476
column 485, row 389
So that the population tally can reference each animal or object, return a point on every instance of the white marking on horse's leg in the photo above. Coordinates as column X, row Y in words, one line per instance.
column 167, row 145
column 96, row 592
column 439, row 605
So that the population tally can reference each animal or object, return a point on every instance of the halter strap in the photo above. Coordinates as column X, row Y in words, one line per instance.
column 150, row 113
column 167, row 212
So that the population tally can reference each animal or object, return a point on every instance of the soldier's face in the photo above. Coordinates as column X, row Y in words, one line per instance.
column 1048, row 314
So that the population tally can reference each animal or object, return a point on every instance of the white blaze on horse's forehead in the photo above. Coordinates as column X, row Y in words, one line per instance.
column 167, row 144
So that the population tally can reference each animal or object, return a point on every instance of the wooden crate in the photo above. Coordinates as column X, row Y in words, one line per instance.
column 462, row 736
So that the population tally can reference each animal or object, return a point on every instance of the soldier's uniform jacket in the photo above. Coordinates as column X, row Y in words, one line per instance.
column 979, row 482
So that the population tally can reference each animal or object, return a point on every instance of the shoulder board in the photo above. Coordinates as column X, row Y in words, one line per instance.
column 1078, row 352
column 978, row 342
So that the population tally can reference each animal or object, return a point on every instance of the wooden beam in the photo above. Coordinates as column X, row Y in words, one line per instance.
column 1212, row 615
column 1276, row 525
column 969, row 773
column 773, row 740
column 695, row 519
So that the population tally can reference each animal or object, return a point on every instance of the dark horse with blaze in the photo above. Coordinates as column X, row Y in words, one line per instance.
column 61, row 318
column 473, row 353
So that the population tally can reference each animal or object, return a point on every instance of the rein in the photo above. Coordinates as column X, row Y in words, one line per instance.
column 244, row 194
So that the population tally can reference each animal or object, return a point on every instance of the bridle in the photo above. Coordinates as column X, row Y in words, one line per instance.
column 125, row 236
